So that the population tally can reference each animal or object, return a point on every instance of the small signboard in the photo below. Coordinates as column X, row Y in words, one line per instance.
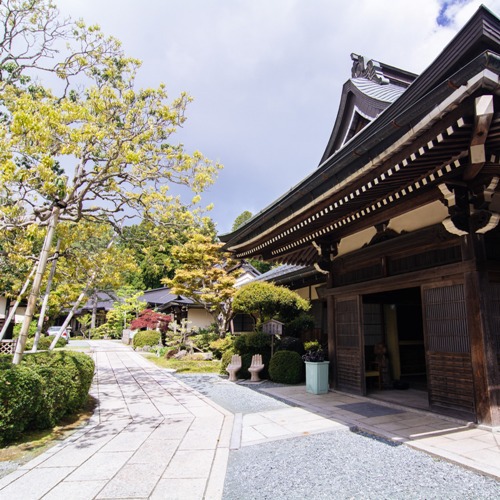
column 273, row 327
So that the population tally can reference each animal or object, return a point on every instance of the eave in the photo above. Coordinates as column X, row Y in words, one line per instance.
column 434, row 150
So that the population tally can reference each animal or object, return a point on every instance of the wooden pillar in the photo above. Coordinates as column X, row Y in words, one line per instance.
column 483, row 354
column 331, row 340
column 330, row 314
column 392, row 340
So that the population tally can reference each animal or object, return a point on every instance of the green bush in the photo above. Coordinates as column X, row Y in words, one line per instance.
column 220, row 346
column 203, row 338
column 41, row 390
column 44, row 343
column 21, row 394
column 286, row 367
column 226, row 359
column 252, row 343
column 78, row 366
column 31, row 330
column 146, row 337
column 299, row 325
column 291, row 344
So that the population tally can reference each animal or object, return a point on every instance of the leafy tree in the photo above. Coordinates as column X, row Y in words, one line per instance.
column 151, row 320
column 124, row 311
column 265, row 301
column 94, row 148
column 203, row 275
column 241, row 219
column 151, row 246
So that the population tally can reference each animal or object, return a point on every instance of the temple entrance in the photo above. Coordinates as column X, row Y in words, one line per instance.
column 394, row 349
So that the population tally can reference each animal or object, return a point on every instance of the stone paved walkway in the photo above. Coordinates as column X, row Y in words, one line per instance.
column 150, row 437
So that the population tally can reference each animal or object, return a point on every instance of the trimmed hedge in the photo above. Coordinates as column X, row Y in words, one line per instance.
column 146, row 337
column 252, row 343
column 286, row 367
column 44, row 343
column 45, row 387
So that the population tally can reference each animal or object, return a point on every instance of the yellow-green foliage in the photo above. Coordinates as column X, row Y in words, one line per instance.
column 266, row 301
column 146, row 337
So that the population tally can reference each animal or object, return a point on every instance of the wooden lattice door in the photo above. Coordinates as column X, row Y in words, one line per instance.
column 349, row 345
column 449, row 365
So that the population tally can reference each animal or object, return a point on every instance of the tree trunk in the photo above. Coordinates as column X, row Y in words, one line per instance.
column 68, row 319
column 94, row 311
column 46, row 298
column 37, row 283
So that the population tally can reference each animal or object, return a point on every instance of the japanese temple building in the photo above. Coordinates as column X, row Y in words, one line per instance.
column 401, row 218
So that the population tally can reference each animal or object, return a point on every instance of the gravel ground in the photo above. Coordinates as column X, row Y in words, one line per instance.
column 235, row 398
column 333, row 465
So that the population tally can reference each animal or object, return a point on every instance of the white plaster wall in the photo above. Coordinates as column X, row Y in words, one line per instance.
column 3, row 303
column 199, row 318
column 308, row 293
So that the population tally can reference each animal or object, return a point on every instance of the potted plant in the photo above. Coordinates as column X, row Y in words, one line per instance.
column 316, row 368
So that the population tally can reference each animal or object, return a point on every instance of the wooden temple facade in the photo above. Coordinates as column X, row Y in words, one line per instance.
column 401, row 218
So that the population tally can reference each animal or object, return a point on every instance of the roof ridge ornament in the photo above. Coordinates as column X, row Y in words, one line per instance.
column 371, row 71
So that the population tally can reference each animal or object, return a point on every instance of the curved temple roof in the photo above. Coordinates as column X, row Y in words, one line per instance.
column 418, row 141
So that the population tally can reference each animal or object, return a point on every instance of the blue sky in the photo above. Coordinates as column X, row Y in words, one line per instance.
column 266, row 75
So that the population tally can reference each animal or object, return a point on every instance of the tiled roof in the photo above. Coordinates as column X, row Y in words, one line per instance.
column 162, row 296
column 387, row 93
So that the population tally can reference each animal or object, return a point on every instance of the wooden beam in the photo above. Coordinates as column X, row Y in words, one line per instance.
column 484, row 110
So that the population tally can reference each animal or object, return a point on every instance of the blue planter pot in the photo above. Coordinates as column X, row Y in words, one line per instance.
column 317, row 377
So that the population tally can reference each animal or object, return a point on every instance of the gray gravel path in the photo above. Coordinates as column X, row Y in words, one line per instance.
column 333, row 465
column 345, row 465
column 235, row 398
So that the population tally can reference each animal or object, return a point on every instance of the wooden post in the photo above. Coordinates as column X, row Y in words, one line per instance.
column 330, row 322
column 483, row 353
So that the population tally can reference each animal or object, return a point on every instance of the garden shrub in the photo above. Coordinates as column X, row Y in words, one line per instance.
column 291, row 344
column 299, row 325
column 204, row 337
column 44, row 343
column 41, row 390
column 31, row 329
column 286, row 367
column 252, row 343
column 76, row 365
column 21, row 394
column 146, row 337
column 226, row 359
column 220, row 346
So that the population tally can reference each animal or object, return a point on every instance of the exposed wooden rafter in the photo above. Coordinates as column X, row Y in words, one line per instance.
column 484, row 111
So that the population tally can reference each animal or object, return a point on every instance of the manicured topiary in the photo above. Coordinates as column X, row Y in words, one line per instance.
column 286, row 367
column 146, row 337
column 41, row 390
column 20, row 400
column 44, row 343
column 67, row 378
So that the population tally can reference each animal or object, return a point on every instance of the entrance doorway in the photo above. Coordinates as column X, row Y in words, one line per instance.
column 394, row 346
